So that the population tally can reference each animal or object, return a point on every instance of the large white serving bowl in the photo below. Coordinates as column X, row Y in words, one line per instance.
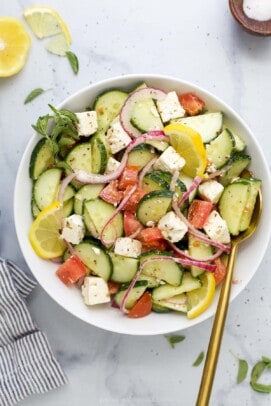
column 250, row 253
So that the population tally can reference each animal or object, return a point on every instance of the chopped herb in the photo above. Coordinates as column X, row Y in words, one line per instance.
column 174, row 339
column 256, row 373
column 73, row 61
column 242, row 370
column 199, row 359
column 32, row 95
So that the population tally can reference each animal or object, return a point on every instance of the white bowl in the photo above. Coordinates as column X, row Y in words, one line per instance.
column 250, row 253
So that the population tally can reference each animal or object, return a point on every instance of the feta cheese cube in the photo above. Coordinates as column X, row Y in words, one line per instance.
column 73, row 229
column 112, row 165
column 117, row 137
column 210, row 190
column 170, row 108
column 169, row 161
column 172, row 227
column 216, row 228
column 87, row 123
column 95, row 290
column 128, row 247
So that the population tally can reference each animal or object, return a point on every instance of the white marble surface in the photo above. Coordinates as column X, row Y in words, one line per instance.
column 196, row 41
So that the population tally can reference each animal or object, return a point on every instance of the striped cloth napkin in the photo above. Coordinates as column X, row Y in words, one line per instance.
column 27, row 364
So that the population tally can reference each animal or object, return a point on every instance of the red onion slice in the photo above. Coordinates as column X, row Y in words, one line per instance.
column 185, row 255
column 145, row 170
column 127, row 108
column 64, row 183
column 191, row 189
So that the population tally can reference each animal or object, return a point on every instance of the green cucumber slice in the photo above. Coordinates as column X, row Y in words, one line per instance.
column 234, row 168
column 177, row 303
column 255, row 185
column 199, row 250
column 79, row 158
column 167, row 291
column 86, row 192
column 153, row 206
column 42, row 158
column 124, row 268
column 99, row 156
column 134, row 295
column 141, row 155
column 219, row 150
column 46, row 187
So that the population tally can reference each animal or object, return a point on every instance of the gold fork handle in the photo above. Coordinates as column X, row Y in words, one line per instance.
column 216, row 335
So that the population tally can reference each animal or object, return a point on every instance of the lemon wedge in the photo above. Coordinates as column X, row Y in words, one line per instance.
column 14, row 46
column 44, row 234
column 188, row 143
column 200, row 299
column 47, row 22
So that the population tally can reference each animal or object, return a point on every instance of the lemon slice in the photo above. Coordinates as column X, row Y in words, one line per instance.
column 188, row 143
column 14, row 46
column 44, row 233
column 200, row 299
column 47, row 22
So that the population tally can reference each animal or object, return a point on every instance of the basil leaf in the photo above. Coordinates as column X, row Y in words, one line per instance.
column 73, row 61
column 32, row 95
column 174, row 340
column 242, row 370
column 199, row 359
column 256, row 373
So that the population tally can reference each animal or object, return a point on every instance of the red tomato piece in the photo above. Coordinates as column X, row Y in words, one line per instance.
column 160, row 245
column 71, row 270
column 220, row 271
column 198, row 212
column 191, row 103
column 111, row 193
column 142, row 307
column 129, row 177
column 113, row 287
column 132, row 203
column 150, row 234
column 130, row 223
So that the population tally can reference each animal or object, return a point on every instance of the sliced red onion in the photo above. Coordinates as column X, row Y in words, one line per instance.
column 127, row 108
column 173, row 181
column 64, row 183
column 182, row 261
column 145, row 170
column 191, row 189
column 56, row 260
column 185, row 255
column 135, row 234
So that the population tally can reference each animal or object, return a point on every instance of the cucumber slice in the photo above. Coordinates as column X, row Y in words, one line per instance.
column 159, row 145
column 42, row 158
column 96, row 214
column 108, row 106
column 198, row 250
column 167, row 271
column 220, row 149
column 68, row 207
column 255, row 185
column 158, row 308
column 208, row 125
column 153, row 206
column 79, row 158
column 152, row 181
column 95, row 258
column 187, row 180
column 46, row 187
column 177, row 303
column 152, row 281
column 141, row 155
column 234, row 168
column 99, row 156
column 86, row 192
column 180, row 187
column 167, row 291
column 240, row 144
column 233, row 202
column 34, row 208
column 134, row 295
column 124, row 268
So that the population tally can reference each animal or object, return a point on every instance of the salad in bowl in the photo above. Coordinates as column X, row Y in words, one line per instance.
column 135, row 195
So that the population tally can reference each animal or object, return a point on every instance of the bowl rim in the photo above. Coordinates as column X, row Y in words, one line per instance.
column 142, row 328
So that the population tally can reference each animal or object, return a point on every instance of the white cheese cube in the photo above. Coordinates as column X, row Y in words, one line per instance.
column 95, row 290
column 170, row 108
column 87, row 123
column 73, row 229
column 112, row 165
column 117, row 138
column 172, row 227
column 210, row 190
column 216, row 228
column 128, row 247
column 169, row 161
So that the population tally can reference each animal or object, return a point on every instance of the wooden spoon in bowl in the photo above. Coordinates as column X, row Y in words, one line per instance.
column 248, row 24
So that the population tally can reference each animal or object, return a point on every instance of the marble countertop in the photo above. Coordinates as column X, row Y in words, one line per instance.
column 196, row 41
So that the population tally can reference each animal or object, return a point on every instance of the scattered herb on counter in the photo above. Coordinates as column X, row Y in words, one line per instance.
column 198, row 360
column 242, row 370
column 33, row 94
column 256, row 373
column 175, row 339
column 73, row 61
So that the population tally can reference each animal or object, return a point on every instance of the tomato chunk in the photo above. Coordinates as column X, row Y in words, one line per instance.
column 132, row 203
column 150, row 234
column 111, row 193
column 113, row 287
column 142, row 307
column 129, row 177
column 130, row 223
column 71, row 270
column 198, row 212
column 191, row 103
column 220, row 270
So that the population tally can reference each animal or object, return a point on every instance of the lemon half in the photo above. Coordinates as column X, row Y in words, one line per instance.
column 200, row 299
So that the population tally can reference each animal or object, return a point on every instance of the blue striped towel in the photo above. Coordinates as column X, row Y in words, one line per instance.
column 27, row 364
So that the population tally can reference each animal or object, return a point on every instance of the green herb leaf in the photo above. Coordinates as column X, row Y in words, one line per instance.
column 256, row 373
column 73, row 61
column 199, row 359
column 32, row 95
column 242, row 370
column 174, row 339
